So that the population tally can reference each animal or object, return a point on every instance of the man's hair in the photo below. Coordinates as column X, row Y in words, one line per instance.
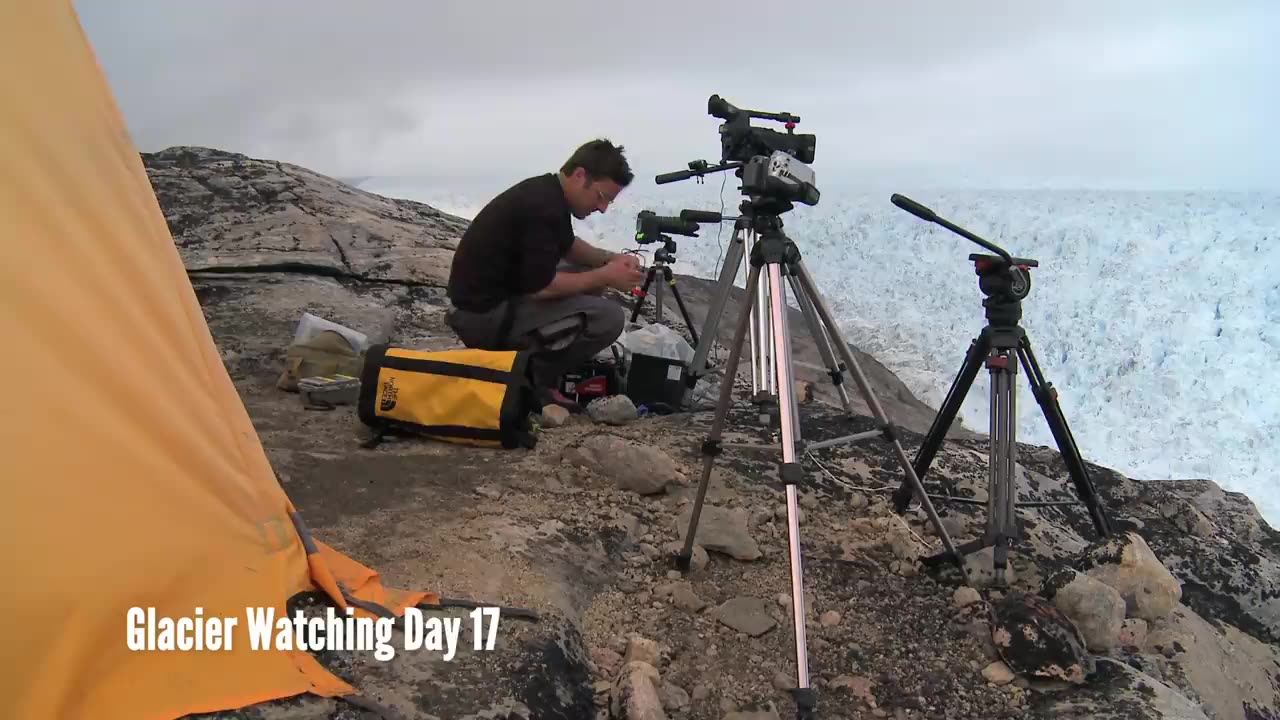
column 602, row 160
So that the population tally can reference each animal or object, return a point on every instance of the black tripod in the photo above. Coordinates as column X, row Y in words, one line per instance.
column 777, row 256
column 1001, row 347
column 661, row 258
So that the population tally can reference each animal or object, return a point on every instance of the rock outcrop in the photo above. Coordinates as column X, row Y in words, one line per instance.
column 1176, row 615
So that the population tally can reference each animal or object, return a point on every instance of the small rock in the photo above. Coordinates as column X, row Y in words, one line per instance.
column 1133, row 633
column 635, row 695
column 641, row 649
column 859, row 686
column 700, row 693
column 488, row 491
column 748, row 615
column 639, row 468
column 721, row 530
column 997, row 673
column 612, row 410
column 553, row 416
column 830, row 618
column 673, row 697
column 783, row 681
column 606, row 660
column 682, row 594
column 965, row 596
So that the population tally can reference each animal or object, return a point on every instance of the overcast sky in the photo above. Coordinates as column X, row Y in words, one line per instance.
column 1125, row 94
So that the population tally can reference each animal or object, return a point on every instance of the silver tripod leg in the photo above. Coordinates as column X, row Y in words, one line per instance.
column 763, row 354
column 824, row 344
column 790, row 469
column 824, row 314
column 724, row 289
column 757, row 376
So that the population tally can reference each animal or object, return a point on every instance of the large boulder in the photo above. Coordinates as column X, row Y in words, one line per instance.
column 1096, row 608
column 1126, row 563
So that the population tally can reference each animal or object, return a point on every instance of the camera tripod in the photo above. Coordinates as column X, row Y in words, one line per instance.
column 661, row 259
column 764, row 378
column 776, row 256
column 1001, row 346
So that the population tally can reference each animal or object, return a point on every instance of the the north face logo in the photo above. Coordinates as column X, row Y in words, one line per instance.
column 388, row 400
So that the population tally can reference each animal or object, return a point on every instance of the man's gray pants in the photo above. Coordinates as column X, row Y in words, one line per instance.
column 564, row 332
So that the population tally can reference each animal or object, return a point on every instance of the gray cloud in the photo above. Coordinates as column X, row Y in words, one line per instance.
column 1133, row 94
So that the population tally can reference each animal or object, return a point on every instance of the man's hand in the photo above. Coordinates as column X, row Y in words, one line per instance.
column 630, row 260
column 622, row 272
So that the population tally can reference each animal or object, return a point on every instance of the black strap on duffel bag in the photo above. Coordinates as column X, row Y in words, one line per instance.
column 483, row 398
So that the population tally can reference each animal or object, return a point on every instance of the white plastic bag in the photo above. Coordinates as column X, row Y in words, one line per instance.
column 310, row 325
column 659, row 341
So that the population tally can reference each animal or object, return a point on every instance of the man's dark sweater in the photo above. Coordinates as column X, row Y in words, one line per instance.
column 513, row 245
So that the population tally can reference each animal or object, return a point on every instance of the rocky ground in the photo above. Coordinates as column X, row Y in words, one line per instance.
column 1176, row 616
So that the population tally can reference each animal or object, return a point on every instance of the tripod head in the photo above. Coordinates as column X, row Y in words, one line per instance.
column 1001, row 277
column 773, row 166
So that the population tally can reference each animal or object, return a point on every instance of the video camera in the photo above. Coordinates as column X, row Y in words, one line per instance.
column 651, row 228
column 740, row 142
column 773, row 165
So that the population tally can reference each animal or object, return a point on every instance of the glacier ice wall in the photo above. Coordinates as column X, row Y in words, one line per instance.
column 1156, row 315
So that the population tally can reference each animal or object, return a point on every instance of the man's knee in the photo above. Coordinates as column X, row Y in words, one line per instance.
column 606, row 321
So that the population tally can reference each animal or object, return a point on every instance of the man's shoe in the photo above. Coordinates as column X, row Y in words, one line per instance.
column 552, row 396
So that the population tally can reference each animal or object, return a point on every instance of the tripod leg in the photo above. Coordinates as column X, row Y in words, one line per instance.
column 1047, row 396
column 684, row 313
column 644, row 291
column 711, row 322
column 946, row 416
column 791, row 473
column 824, row 313
column 1002, row 519
column 835, row 370
column 711, row 447
column 765, row 337
column 757, row 381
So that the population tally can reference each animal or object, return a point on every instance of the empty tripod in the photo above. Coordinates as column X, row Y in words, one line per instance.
column 1000, row 347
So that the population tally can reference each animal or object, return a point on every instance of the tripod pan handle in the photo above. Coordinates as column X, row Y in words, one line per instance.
column 913, row 207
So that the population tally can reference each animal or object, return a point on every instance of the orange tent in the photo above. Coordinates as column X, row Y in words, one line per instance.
column 132, row 474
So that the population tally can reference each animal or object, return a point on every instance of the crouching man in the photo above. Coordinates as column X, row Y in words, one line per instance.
column 520, row 278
